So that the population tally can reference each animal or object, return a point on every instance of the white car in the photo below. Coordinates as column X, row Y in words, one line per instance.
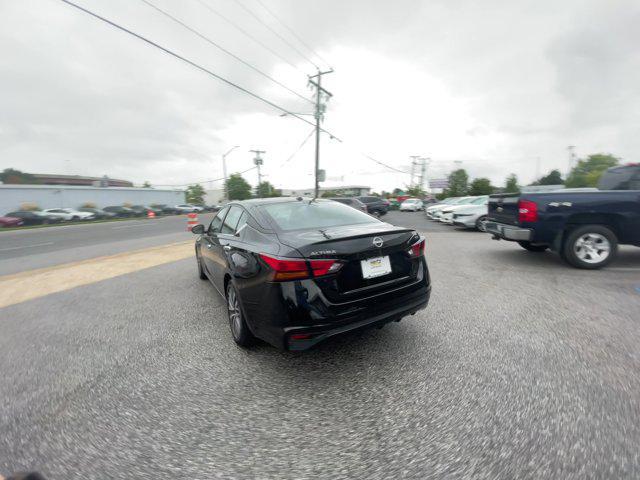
column 439, row 206
column 471, row 216
column 450, row 211
column 188, row 208
column 411, row 205
column 437, row 213
column 68, row 214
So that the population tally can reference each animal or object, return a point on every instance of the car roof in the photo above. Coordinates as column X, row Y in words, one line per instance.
column 253, row 202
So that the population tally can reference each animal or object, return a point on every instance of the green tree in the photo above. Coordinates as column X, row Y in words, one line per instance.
column 265, row 190
column 554, row 177
column 511, row 184
column 146, row 185
column 481, row 186
column 195, row 194
column 13, row 176
column 397, row 192
column 458, row 183
column 415, row 191
column 237, row 188
column 588, row 171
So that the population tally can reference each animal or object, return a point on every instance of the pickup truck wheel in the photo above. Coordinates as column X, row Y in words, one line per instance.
column 590, row 247
column 533, row 248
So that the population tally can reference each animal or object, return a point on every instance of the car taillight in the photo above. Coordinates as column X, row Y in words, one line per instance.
column 417, row 249
column 527, row 211
column 296, row 269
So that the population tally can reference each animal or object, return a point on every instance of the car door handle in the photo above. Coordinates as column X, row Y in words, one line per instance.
column 227, row 248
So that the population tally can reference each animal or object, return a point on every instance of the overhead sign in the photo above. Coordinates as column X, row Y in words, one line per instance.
column 439, row 183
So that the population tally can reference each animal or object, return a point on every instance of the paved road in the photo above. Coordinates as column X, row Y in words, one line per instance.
column 44, row 247
column 520, row 368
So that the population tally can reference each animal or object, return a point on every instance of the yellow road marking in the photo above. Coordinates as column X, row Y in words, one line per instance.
column 24, row 286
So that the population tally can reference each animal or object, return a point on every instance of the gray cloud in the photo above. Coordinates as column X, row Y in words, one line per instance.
column 532, row 77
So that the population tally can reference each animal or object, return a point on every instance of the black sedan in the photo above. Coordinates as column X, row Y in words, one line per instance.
column 33, row 218
column 296, row 271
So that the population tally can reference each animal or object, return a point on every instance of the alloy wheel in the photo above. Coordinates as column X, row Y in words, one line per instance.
column 235, row 317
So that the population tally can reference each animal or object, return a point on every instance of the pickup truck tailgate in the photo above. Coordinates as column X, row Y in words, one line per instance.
column 503, row 208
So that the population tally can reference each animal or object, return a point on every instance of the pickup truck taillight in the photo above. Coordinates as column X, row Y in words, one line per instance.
column 527, row 211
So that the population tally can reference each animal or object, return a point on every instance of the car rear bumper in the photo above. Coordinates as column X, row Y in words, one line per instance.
column 318, row 333
column 508, row 232
column 297, row 315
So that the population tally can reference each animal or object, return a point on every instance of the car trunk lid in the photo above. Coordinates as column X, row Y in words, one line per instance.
column 352, row 245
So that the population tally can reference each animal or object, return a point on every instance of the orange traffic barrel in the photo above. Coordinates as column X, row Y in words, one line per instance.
column 192, row 220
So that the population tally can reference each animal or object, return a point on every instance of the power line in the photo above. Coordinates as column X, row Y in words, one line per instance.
column 248, row 35
column 193, row 64
column 250, row 12
column 299, row 148
column 270, row 12
column 205, row 181
column 208, row 40
column 383, row 164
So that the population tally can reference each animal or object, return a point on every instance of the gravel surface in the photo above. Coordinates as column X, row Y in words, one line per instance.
column 520, row 367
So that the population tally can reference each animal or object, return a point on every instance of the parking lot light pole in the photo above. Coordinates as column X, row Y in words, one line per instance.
column 224, row 170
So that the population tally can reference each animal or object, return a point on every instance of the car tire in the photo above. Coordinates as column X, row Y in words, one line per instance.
column 376, row 213
column 201, row 274
column 237, row 324
column 590, row 247
column 480, row 224
column 533, row 248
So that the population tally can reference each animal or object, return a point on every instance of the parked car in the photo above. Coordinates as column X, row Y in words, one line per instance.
column 430, row 210
column 436, row 213
column 294, row 272
column 7, row 222
column 98, row 213
column 376, row 206
column 119, row 211
column 143, row 210
column 411, row 205
column 585, row 228
column 448, row 212
column 352, row 202
column 34, row 217
column 69, row 214
column 471, row 216
column 188, row 208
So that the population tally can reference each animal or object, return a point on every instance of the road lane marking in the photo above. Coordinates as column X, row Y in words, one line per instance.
column 26, row 246
column 20, row 287
column 133, row 225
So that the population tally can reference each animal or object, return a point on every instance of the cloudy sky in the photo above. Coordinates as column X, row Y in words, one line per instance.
column 494, row 86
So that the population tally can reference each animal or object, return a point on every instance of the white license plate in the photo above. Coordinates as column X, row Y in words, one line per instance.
column 375, row 267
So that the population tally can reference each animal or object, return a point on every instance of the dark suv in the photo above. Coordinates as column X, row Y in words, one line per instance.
column 375, row 205
column 352, row 202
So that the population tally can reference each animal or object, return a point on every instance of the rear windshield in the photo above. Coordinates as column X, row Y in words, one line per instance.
column 621, row 178
column 308, row 215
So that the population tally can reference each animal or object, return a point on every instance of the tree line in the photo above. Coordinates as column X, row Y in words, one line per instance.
column 585, row 173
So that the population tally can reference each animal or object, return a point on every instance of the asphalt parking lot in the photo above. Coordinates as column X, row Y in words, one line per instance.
column 520, row 367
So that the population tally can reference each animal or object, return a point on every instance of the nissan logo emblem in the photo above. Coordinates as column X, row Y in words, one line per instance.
column 377, row 242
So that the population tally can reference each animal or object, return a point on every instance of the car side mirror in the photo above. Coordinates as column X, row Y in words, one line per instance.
column 198, row 229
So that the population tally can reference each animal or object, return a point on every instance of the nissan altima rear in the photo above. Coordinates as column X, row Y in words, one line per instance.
column 300, row 271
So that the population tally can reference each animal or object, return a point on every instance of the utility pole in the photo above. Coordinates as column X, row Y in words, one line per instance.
column 572, row 157
column 414, row 162
column 319, row 114
column 257, row 161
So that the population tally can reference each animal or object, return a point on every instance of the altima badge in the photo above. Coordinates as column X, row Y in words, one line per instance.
column 377, row 242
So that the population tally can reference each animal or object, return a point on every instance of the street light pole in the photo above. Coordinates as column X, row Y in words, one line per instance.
column 224, row 169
